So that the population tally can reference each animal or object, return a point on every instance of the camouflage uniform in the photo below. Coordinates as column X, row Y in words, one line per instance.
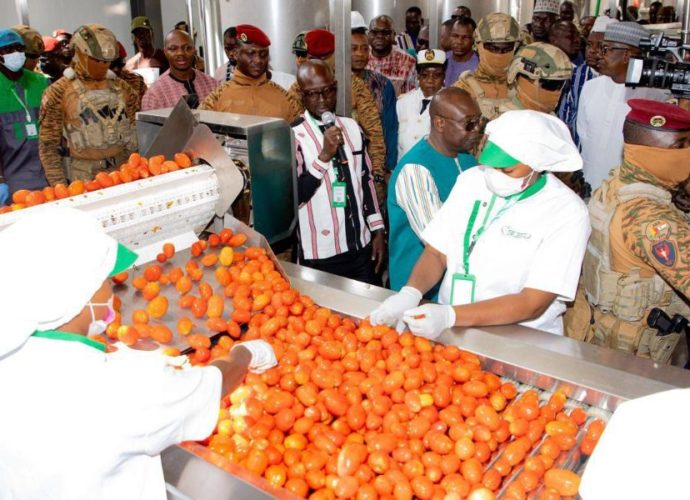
column 137, row 84
column 93, row 119
column 638, row 258
column 488, row 81
column 366, row 113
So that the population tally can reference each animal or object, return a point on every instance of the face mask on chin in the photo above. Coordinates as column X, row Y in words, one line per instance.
column 98, row 326
column 536, row 98
column 504, row 185
column 14, row 61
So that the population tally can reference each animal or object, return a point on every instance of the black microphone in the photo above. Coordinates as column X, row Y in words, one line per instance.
column 328, row 120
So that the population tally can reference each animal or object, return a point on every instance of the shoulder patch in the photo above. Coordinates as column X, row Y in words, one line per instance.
column 665, row 252
column 657, row 230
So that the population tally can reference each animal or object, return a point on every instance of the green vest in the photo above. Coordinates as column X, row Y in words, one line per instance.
column 404, row 247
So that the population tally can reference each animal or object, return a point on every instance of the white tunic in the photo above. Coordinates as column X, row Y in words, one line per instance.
column 600, row 117
column 537, row 243
column 412, row 126
column 77, row 423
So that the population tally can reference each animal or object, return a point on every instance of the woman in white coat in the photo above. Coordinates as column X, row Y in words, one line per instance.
column 508, row 243
column 77, row 423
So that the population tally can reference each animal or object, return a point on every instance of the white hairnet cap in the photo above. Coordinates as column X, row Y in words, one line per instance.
column 536, row 139
column 643, row 451
column 52, row 261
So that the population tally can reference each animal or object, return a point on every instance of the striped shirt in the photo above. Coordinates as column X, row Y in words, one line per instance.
column 406, row 43
column 400, row 68
column 168, row 90
column 324, row 229
column 567, row 109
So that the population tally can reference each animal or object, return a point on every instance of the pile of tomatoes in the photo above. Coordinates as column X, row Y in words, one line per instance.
column 137, row 167
column 354, row 410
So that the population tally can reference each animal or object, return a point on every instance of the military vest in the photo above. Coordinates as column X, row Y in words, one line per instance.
column 621, row 301
column 101, row 118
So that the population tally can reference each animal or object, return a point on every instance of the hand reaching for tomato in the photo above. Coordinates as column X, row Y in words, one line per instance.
column 263, row 357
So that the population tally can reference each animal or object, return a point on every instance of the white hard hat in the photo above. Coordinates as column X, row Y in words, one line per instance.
column 52, row 261
column 357, row 21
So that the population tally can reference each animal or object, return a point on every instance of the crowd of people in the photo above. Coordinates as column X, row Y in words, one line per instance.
column 372, row 188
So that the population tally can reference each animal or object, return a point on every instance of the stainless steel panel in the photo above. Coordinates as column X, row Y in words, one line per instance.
column 340, row 25
column 282, row 20
column 394, row 8
column 211, row 34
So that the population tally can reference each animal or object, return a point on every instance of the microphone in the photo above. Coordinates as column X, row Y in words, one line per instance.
column 328, row 120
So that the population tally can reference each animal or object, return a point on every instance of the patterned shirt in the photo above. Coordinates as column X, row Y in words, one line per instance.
column 168, row 90
column 567, row 109
column 399, row 66
column 384, row 95
column 325, row 228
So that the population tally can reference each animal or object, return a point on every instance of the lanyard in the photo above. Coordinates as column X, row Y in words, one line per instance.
column 469, row 242
column 22, row 103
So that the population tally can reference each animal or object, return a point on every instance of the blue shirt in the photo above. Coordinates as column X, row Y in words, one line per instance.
column 384, row 94
column 567, row 108
column 455, row 68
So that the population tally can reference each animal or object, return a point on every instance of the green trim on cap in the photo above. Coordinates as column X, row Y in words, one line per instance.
column 125, row 259
column 69, row 337
column 494, row 156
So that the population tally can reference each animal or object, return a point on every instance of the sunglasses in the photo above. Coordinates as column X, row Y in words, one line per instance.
column 469, row 124
column 552, row 85
column 499, row 48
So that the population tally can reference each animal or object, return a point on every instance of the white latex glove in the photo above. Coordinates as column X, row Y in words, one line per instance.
column 429, row 320
column 391, row 310
column 263, row 357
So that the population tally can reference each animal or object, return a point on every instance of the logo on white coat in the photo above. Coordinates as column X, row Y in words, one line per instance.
column 509, row 231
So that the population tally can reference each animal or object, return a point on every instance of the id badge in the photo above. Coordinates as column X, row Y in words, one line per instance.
column 339, row 200
column 31, row 130
column 462, row 289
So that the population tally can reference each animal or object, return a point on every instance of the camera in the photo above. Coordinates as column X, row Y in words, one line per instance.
column 661, row 66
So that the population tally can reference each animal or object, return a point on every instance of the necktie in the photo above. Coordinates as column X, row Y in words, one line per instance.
column 425, row 104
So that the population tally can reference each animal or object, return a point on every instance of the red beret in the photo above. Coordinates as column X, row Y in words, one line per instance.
column 658, row 115
column 320, row 43
column 251, row 34
column 49, row 43
column 121, row 51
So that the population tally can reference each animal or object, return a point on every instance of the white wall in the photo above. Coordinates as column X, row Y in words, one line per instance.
column 48, row 15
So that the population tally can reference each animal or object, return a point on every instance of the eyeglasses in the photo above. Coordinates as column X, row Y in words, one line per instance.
column 469, row 124
column 605, row 49
column 377, row 32
column 499, row 48
column 552, row 85
column 325, row 93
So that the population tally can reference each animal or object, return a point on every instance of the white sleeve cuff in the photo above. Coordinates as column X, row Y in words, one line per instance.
column 318, row 168
column 375, row 222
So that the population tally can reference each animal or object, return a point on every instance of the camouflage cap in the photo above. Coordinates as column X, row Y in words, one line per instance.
column 141, row 22
column 497, row 27
column 300, row 42
column 540, row 60
column 33, row 41
column 96, row 41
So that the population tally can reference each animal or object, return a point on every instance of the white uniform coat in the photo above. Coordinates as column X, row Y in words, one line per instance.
column 79, row 424
column 603, row 107
column 412, row 126
column 537, row 243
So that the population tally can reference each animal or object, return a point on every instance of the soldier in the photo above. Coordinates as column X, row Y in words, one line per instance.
column 496, row 38
column 250, row 91
column 50, row 62
column 33, row 44
column 536, row 78
column 321, row 45
column 638, row 257
column 89, row 111
column 148, row 60
column 135, row 81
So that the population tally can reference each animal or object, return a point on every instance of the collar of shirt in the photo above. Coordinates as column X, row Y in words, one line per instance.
column 169, row 73
column 241, row 79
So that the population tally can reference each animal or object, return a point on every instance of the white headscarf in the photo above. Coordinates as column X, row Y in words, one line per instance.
column 52, row 261
column 536, row 139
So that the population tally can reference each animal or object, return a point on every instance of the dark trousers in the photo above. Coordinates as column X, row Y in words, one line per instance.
column 353, row 264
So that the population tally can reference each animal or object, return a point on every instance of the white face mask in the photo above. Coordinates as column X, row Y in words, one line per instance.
column 14, row 61
column 98, row 326
column 504, row 185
